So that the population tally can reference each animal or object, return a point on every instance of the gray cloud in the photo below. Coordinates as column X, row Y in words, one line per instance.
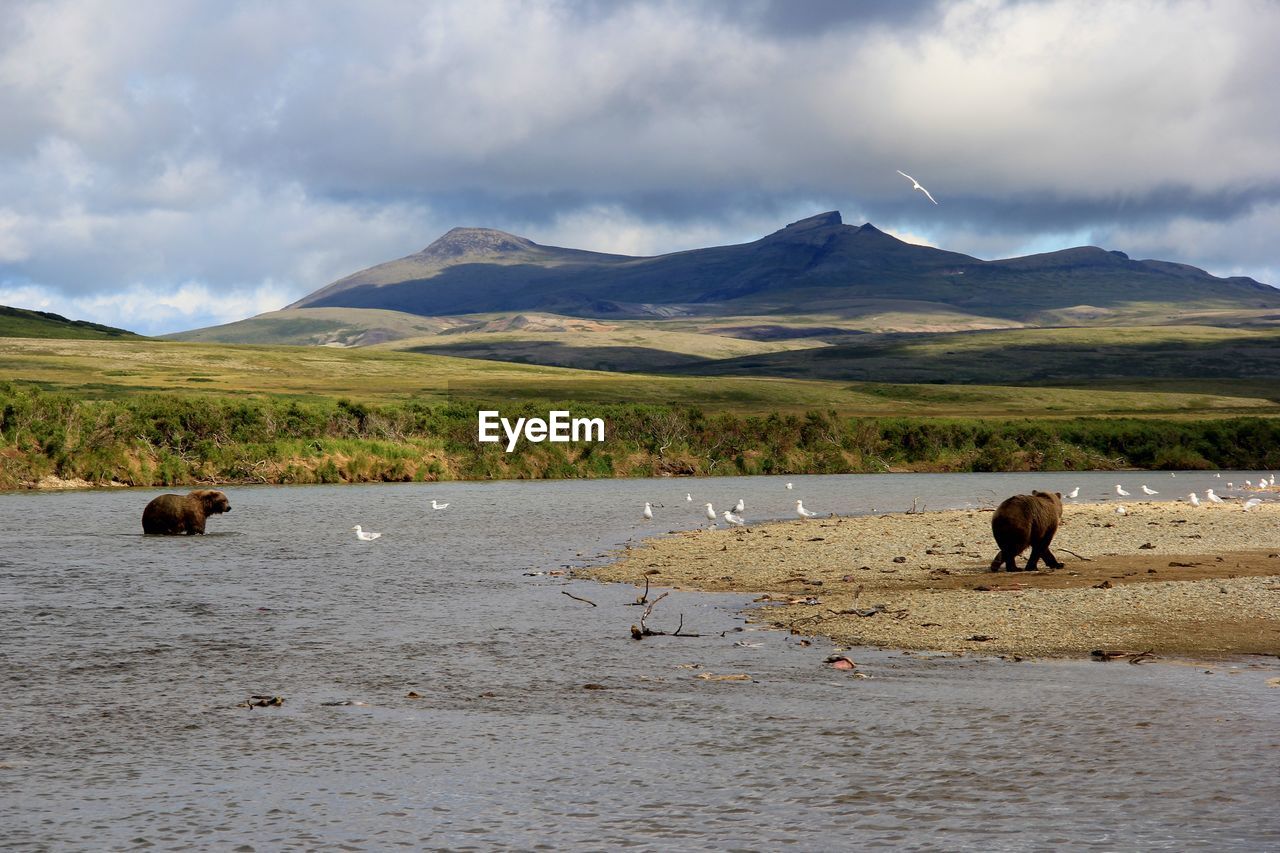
column 257, row 148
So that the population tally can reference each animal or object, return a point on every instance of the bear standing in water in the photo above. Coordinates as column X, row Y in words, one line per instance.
column 1024, row 520
column 175, row 514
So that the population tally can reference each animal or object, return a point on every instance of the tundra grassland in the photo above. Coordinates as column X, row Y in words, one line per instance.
column 164, row 413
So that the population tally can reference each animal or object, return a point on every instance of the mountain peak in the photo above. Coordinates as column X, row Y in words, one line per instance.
column 475, row 242
column 822, row 220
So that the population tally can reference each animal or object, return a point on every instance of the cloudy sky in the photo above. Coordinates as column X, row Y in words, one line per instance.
column 171, row 164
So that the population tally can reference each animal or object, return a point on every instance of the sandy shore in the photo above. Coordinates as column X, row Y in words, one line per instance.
column 1167, row 577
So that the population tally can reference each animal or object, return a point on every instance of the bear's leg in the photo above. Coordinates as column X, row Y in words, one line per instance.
column 1034, row 559
column 1009, row 557
column 1050, row 560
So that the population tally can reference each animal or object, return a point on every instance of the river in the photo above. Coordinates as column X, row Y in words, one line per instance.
column 126, row 658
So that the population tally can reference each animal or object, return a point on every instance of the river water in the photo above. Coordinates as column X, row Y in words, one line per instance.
column 124, row 659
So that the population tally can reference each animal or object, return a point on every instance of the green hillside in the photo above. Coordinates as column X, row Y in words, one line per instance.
column 24, row 323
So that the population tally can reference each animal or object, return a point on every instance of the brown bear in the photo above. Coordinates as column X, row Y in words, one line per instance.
column 1024, row 520
column 176, row 514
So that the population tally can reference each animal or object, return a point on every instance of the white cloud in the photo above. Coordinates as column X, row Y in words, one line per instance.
column 228, row 144
column 155, row 311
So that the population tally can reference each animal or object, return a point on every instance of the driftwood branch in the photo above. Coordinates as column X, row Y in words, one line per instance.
column 579, row 598
column 1074, row 554
column 649, row 610
column 644, row 598
column 639, row 632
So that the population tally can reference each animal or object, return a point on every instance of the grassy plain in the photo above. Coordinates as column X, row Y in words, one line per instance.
column 105, row 369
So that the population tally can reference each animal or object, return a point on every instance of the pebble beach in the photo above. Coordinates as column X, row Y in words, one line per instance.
column 1165, row 578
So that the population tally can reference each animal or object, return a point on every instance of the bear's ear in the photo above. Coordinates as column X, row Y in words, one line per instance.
column 1059, row 494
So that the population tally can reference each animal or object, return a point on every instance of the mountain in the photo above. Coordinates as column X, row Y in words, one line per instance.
column 25, row 323
column 818, row 265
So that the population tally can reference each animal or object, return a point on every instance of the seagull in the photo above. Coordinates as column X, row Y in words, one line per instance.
column 1231, row 487
column 1121, row 492
column 1121, row 511
column 1208, row 493
column 711, row 513
column 1251, row 503
column 1195, row 501
column 789, row 486
column 739, row 506
column 915, row 185
column 364, row 535
column 1147, row 491
column 1219, row 476
column 648, row 510
column 688, row 496
column 435, row 504
column 735, row 520
column 1074, row 493
column 802, row 512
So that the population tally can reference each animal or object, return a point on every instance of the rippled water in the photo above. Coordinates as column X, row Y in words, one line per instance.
column 124, row 657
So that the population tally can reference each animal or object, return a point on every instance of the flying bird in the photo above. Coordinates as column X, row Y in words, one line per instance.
column 365, row 535
column 435, row 504
column 648, row 510
column 711, row 513
column 735, row 520
column 1121, row 492
column 1148, row 491
column 915, row 185
column 802, row 512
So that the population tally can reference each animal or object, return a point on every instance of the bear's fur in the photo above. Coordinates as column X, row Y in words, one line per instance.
column 175, row 514
column 1024, row 520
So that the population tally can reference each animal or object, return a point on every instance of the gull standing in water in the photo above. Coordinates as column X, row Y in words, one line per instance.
column 735, row 520
column 1121, row 492
column 648, row 510
column 915, row 185
column 739, row 506
column 365, row 535
column 789, row 486
column 1148, row 491
column 802, row 512
column 711, row 513
column 435, row 504
column 688, row 496
column 1074, row 493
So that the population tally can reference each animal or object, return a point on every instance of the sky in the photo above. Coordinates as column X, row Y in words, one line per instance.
column 171, row 164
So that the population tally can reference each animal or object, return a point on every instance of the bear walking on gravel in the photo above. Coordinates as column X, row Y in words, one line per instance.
column 175, row 514
column 1024, row 520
